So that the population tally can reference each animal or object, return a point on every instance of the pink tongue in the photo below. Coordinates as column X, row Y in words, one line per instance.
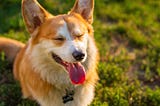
column 76, row 72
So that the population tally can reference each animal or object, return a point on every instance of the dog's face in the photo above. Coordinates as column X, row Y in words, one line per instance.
column 63, row 37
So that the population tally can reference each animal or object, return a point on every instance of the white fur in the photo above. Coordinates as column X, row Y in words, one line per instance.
column 41, row 54
column 54, row 73
column 82, row 97
column 44, row 64
column 63, row 31
column 51, row 71
column 65, row 51
column 77, row 31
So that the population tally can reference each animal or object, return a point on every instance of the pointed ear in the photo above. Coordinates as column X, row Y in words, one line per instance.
column 33, row 14
column 85, row 8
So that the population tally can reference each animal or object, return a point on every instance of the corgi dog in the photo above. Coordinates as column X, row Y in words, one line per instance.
column 57, row 67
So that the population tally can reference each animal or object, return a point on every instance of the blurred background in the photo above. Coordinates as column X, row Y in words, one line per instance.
column 127, row 33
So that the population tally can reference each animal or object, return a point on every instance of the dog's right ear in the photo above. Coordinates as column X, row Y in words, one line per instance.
column 33, row 14
column 85, row 8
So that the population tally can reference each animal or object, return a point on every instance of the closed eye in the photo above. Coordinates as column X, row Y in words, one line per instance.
column 79, row 36
column 59, row 39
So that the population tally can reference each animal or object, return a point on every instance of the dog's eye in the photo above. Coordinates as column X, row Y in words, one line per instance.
column 79, row 36
column 59, row 39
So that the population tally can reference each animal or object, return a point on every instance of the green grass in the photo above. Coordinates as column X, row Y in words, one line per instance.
column 127, row 33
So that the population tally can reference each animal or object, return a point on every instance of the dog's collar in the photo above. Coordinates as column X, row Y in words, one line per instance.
column 69, row 96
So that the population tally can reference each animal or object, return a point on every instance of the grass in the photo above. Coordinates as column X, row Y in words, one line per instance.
column 128, row 37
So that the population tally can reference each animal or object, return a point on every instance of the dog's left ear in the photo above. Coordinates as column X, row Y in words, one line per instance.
column 33, row 14
column 85, row 8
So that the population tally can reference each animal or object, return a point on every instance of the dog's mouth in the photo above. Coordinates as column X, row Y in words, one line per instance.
column 76, row 70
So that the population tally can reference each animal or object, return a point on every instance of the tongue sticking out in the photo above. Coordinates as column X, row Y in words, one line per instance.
column 76, row 72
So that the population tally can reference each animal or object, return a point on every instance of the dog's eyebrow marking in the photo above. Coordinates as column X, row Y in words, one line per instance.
column 77, row 31
column 63, row 31
column 73, row 28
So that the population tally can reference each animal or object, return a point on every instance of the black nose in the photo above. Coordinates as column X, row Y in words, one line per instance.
column 78, row 55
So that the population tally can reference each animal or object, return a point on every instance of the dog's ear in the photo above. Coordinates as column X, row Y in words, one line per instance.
column 85, row 8
column 33, row 14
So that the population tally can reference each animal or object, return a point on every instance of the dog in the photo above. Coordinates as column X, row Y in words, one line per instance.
column 57, row 67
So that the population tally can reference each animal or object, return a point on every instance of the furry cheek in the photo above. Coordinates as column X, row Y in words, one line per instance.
column 63, row 50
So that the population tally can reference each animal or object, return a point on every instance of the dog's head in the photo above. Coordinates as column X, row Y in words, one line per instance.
column 64, row 37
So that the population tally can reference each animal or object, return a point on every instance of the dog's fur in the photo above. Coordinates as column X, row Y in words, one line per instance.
column 41, row 77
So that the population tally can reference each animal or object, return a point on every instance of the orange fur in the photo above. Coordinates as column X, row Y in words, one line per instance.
column 29, row 77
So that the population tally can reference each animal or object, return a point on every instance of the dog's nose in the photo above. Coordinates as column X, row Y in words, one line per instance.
column 78, row 55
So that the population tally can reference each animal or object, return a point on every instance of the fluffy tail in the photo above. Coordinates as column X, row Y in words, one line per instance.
column 10, row 48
